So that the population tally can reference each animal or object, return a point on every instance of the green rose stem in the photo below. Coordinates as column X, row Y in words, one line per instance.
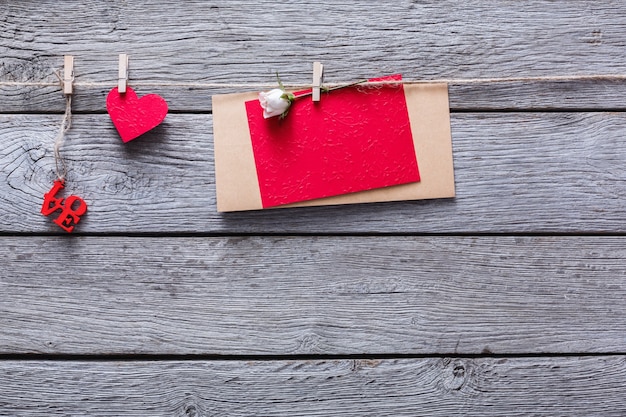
column 290, row 97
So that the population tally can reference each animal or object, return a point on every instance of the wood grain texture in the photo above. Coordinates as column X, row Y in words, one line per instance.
column 312, row 295
column 514, row 173
column 562, row 386
column 246, row 41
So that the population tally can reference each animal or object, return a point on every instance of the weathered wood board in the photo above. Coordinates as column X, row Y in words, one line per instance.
column 514, row 173
column 313, row 295
column 559, row 386
column 246, row 41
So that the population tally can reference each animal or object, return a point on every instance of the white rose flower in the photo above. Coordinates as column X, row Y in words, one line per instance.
column 275, row 102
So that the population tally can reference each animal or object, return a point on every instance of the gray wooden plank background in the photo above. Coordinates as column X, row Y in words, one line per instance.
column 507, row 299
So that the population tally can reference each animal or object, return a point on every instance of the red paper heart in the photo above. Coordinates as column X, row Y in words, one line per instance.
column 133, row 116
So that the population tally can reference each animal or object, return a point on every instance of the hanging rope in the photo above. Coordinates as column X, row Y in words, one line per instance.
column 66, row 124
column 453, row 81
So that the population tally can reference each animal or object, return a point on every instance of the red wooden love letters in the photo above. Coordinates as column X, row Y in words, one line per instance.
column 69, row 216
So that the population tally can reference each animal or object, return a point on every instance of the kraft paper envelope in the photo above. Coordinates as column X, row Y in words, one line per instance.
column 237, row 186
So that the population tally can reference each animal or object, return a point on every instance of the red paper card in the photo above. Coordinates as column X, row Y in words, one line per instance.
column 355, row 139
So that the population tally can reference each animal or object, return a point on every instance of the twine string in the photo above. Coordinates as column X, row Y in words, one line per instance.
column 66, row 123
column 453, row 81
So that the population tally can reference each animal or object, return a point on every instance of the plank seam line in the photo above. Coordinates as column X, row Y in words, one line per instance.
column 269, row 358
column 148, row 235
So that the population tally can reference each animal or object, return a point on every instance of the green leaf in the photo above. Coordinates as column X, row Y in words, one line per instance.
column 289, row 97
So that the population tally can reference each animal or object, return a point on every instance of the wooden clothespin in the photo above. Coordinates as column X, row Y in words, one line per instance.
column 68, row 74
column 122, row 78
column 318, row 75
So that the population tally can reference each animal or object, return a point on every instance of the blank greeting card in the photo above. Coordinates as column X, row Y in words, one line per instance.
column 364, row 143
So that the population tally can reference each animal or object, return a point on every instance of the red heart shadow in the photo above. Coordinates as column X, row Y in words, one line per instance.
column 133, row 116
